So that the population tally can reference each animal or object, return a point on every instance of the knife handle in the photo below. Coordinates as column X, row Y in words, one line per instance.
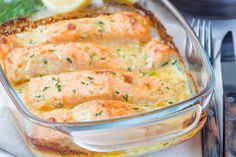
column 229, row 124
column 210, row 133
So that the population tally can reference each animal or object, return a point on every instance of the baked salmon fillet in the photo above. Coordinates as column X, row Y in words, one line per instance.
column 70, row 89
column 122, row 26
column 92, row 110
column 21, row 64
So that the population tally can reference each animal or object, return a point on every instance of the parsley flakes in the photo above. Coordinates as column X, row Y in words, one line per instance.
column 100, row 26
column 38, row 96
column 46, row 87
column 74, row 91
column 69, row 60
column 31, row 42
column 126, row 97
column 90, row 78
column 129, row 69
column 54, row 79
column 91, row 56
column 57, row 85
column 45, row 61
column 173, row 63
column 31, row 56
column 164, row 64
column 99, row 113
column 117, row 92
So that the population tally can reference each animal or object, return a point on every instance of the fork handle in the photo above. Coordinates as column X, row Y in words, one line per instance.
column 210, row 134
column 229, row 124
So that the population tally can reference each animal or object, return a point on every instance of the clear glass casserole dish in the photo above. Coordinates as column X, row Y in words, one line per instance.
column 133, row 135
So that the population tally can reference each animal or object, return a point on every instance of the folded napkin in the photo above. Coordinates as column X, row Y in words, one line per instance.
column 10, row 140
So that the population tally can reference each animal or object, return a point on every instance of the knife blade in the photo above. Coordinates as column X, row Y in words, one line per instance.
column 229, row 97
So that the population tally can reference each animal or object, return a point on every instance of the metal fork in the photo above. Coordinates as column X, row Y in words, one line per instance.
column 210, row 133
column 203, row 31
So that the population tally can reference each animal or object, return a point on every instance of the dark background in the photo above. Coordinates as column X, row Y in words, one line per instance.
column 212, row 8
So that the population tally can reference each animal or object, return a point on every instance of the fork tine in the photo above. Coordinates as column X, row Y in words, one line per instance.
column 202, row 35
column 198, row 28
column 209, row 42
column 203, row 31
column 192, row 23
column 188, row 45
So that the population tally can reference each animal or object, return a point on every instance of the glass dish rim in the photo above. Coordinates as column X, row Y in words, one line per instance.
column 122, row 120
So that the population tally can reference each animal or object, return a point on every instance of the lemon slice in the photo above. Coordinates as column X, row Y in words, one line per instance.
column 63, row 6
column 121, row 1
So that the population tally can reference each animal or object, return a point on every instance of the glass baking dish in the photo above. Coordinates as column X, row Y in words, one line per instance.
column 135, row 135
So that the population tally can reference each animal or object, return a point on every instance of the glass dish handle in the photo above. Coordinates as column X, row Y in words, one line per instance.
column 134, row 134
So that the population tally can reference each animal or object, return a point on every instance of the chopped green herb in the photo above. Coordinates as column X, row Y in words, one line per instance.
column 91, row 56
column 82, row 82
column 164, row 64
column 129, row 69
column 167, row 88
column 173, row 63
column 19, row 90
column 31, row 42
column 69, row 60
column 118, row 50
column 145, row 59
column 126, row 97
column 46, row 87
column 100, row 22
column 90, row 78
column 117, row 92
column 153, row 65
column 136, row 109
column 165, row 144
column 11, row 9
column 58, row 86
column 113, row 73
column 38, row 96
column 100, row 26
column 99, row 113
column 74, row 91
column 45, row 61
column 149, row 73
column 54, row 79
column 31, row 56
column 51, row 50
column 59, row 105
column 170, row 102
column 40, row 75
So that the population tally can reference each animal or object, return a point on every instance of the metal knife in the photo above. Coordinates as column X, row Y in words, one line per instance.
column 210, row 133
column 229, row 97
